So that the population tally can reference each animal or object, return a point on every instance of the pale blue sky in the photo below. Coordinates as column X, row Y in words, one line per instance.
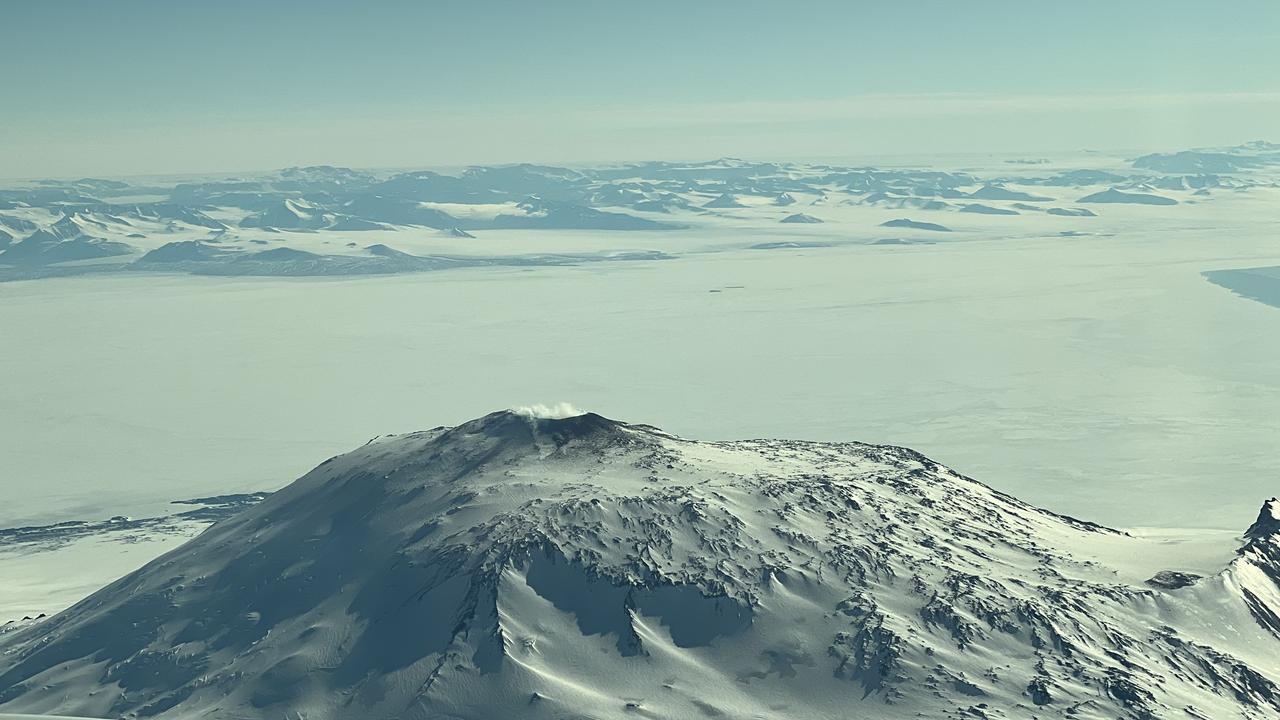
column 126, row 87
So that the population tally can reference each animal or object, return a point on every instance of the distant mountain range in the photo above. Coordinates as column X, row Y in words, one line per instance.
column 55, row 227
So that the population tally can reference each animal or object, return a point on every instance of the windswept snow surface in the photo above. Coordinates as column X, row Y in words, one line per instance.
column 522, row 565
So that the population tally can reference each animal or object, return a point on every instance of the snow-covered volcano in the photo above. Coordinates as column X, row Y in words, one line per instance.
column 529, row 566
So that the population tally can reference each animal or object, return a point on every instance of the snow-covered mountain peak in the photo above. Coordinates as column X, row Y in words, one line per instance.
column 1268, row 523
column 542, row 428
column 543, row 562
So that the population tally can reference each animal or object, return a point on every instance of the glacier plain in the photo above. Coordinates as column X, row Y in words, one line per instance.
column 1081, row 363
